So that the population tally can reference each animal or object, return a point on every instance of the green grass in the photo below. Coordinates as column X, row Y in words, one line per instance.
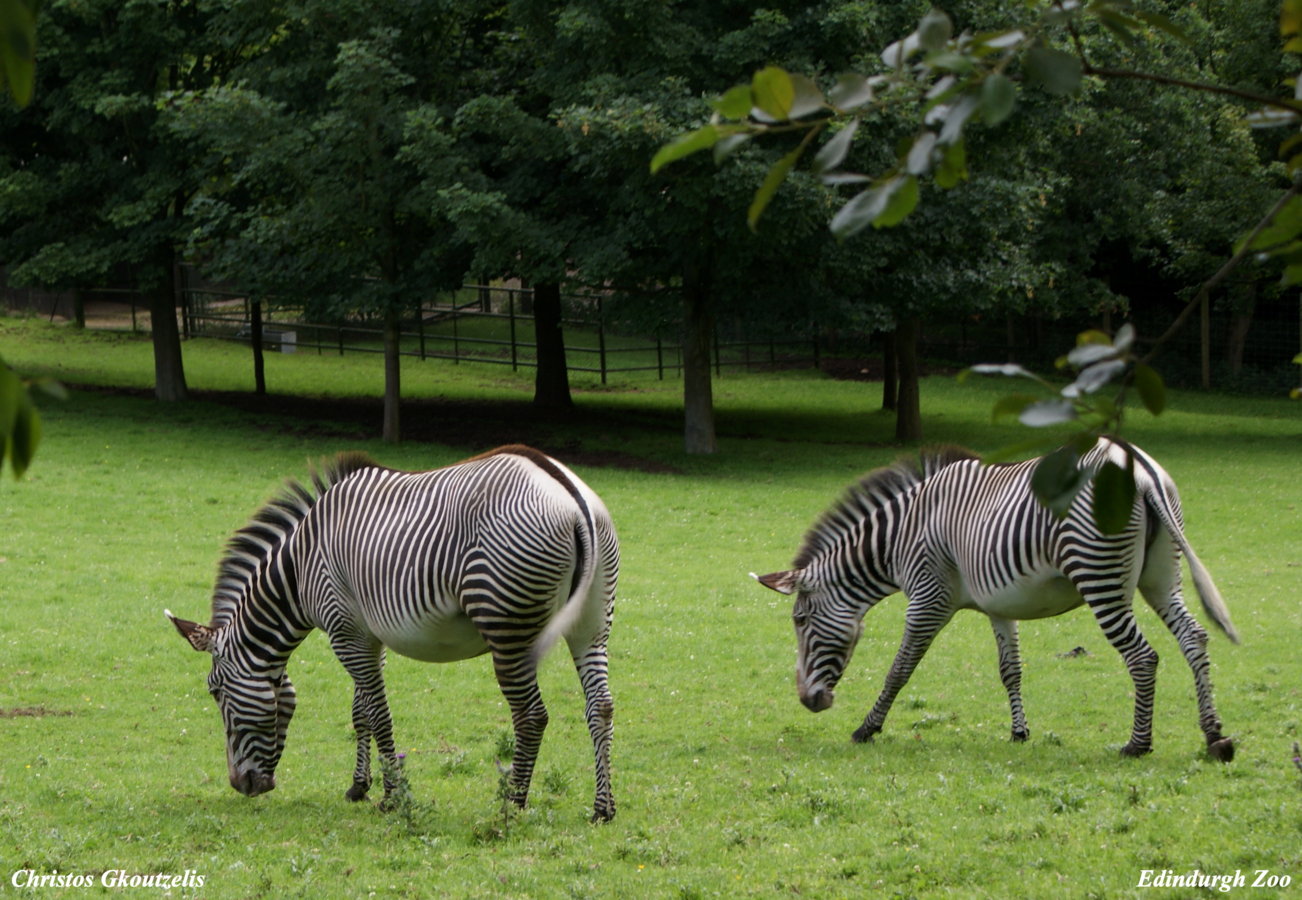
column 726, row 785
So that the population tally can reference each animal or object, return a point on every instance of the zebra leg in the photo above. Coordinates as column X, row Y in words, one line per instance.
column 922, row 623
column 1192, row 637
column 364, row 661
column 1010, row 672
column 517, row 676
column 1113, row 613
column 599, row 709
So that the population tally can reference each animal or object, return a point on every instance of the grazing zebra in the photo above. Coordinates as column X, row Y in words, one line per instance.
column 955, row 534
column 503, row 553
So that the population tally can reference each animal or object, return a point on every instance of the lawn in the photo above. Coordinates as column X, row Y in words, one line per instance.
column 113, row 753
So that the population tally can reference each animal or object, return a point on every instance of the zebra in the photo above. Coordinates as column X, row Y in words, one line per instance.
column 953, row 533
column 503, row 553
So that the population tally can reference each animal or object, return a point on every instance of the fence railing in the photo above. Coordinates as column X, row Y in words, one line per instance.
column 493, row 328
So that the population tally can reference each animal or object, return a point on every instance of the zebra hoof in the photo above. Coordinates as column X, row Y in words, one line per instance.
column 602, row 815
column 864, row 733
column 1132, row 749
column 357, row 791
column 1222, row 749
column 1021, row 737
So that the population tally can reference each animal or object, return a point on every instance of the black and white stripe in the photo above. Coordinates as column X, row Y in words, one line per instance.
column 954, row 534
column 505, row 554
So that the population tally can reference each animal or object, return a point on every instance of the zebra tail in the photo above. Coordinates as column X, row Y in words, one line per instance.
column 1213, row 602
column 565, row 618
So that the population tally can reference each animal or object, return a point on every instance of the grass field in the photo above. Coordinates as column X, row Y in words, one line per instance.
column 113, row 756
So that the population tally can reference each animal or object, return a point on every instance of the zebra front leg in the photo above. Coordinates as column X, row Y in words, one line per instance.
column 1010, row 672
column 599, row 709
column 364, row 661
column 921, row 625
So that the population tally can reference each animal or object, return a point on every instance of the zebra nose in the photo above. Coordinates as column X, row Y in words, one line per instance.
column 251, row 782
column 817, row 700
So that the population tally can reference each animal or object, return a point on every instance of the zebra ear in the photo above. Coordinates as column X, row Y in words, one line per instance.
column 199, row 636
column 782, row 582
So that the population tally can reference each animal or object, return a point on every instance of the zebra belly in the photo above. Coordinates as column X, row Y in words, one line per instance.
column 1037, row 597
column 433, row 637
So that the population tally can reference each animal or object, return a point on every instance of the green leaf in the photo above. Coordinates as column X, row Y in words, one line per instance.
column 1057, row 480
column 808, row 99
column 1047, row 412
column 1056, row 71
column 1011, row 406
column 1284, row 227
column 1298, row 359
column 702, row 138
column 25, row 437
column 833, row 153
column 859, row 211
column 735, row 104
column 935, row 30
column 998, row 97
column 11, row 394
column 18, row 41
column 1290, row 18
column 1114, row 496
column 776, row 175
column 773, row 93
column 953, row 165
column 1151, row 388
column 851, row 91
column 902, row 200
column 729, row 145
column 918, row 160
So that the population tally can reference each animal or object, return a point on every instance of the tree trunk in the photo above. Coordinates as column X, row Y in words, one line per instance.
column 259, row 364
column 698, row 394
column 908, row 412
column 78, row 308
column 551, row 387
column 392, row 375
column 1240, row 325
column 890, row 373
column 169, row 370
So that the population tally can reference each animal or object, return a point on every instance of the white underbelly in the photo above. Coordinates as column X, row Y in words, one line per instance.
column 436, row 637
column 1036, row 597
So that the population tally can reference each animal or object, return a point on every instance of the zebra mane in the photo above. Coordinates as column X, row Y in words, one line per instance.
column 871, row 492
column 254, row 544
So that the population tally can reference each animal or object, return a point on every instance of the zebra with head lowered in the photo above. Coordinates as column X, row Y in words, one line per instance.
column 503, row 554
column 955, row 534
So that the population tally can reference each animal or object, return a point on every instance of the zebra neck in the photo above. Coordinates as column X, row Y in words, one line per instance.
column 266, row 620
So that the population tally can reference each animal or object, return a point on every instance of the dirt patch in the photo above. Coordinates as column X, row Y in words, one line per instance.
column 32, row 712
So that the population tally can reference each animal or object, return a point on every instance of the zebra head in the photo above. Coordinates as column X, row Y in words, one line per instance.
column 255, row 706
column 828, row 627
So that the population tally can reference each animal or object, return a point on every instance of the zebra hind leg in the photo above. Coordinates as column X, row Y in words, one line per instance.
column 599, row 709
column 1010, row 672
column 1192, row 638
column 517, row 677
column 1117, row 620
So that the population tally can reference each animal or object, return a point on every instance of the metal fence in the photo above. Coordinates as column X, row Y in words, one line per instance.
column 495, row 327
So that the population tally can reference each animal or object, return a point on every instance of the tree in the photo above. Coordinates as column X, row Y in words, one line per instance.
column 327, row 188
column 940, row 82
column 95, row 189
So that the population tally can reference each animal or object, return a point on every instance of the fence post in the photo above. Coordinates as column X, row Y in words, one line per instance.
column 660, row 357
column 510, row 306
column 420, row 327
column 456, row 344
column 601, row 339
column 718, row 363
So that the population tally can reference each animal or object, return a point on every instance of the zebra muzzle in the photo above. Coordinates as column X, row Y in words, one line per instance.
column 817, row 700
column 251, row 782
